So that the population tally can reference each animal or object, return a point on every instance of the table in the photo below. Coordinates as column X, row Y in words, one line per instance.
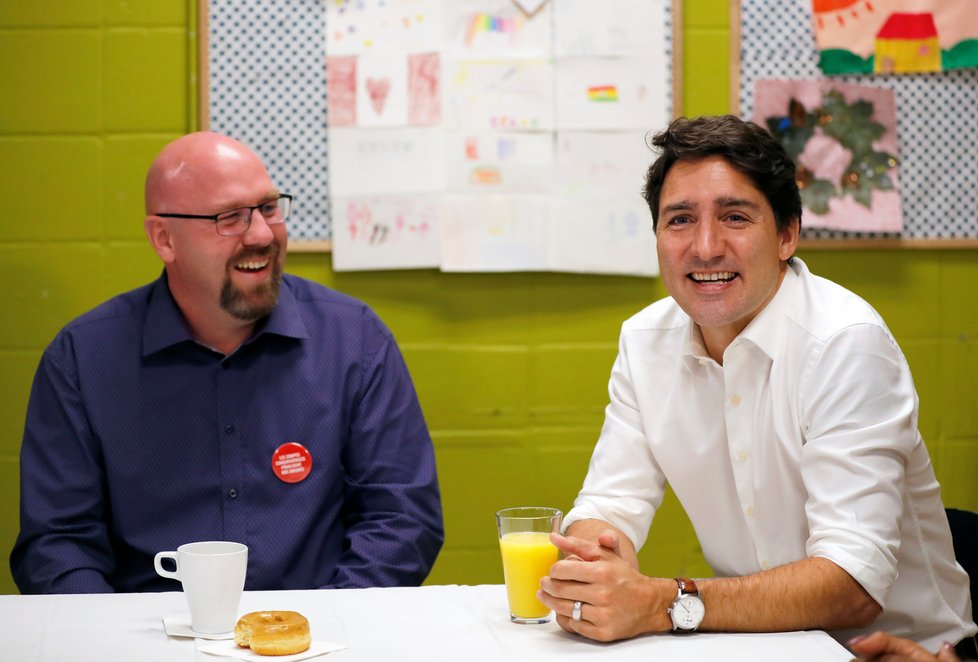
column 429, row 624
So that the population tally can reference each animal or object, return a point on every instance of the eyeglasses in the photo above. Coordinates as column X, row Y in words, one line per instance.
column 236, row 221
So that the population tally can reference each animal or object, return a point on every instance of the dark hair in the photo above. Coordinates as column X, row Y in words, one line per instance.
column 747, row 147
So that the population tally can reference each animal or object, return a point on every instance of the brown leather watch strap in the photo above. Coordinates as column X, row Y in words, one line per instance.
column 687, row 586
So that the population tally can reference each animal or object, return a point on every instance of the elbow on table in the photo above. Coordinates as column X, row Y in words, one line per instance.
column 861, row 612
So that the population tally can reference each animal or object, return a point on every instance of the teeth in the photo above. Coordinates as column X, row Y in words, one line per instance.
column 721, row 275
column 252, row 265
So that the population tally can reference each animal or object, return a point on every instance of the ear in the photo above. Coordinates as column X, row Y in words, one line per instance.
column 160, row 237
column 789, row 239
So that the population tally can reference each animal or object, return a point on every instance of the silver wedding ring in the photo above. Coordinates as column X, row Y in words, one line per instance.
column 576, row 611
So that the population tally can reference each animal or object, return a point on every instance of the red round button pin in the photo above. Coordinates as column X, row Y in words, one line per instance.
column 291, row 462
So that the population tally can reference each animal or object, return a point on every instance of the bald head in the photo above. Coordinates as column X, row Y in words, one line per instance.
column 188, row 168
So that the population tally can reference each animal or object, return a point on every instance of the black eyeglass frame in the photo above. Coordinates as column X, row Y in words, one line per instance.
column 251, row 210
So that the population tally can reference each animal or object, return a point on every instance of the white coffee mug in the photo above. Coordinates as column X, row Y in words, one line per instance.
column 213, row 577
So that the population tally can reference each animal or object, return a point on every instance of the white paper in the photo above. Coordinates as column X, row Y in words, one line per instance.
column 609, row 236
column 381, row 97
column 386, row 232
column 231, row 649
column 610, row 27
column 495, row 233
column 356, row 27
column 602, row 163
column 497, row 28
column 499, row 94
column 610, row 93
column 499, row 161
column 389, row 161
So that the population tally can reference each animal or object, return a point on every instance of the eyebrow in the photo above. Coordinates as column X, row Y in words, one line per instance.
column 725, row 201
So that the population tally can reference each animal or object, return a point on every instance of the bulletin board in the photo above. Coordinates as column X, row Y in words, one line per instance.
column 263, row 80
column 936, row 117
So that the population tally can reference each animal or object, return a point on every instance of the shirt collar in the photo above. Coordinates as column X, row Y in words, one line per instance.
column 165, row 325
column 765, row 330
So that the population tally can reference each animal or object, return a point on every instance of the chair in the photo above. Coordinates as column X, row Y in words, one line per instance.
column 964, row 532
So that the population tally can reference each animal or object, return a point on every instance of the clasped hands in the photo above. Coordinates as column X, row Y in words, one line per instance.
column 618, row 602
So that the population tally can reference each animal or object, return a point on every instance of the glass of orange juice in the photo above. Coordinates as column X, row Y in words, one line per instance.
column 524, row 543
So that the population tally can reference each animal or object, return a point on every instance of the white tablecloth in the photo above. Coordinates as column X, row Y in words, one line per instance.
column 428, row 624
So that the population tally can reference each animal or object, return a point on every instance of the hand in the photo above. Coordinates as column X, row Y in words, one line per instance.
column 883, row 647
column 618, row 602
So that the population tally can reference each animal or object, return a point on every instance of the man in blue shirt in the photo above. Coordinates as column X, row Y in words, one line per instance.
column 224, row 401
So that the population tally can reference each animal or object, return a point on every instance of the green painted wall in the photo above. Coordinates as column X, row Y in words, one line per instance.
column 511, row 369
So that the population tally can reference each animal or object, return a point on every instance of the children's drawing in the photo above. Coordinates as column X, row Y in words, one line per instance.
column 585, row 232
column 895, row 36
column 843, row 141
column 500, row 94
column 341, row 90
column 495, row 233
column 359, row 27
column 424, row 89
column 396, row 160
column 386, row 232
column 609, row 27
column 609, row 93
column 499, row 161
column 497, row 28
column 602, row 163
column 382, row 90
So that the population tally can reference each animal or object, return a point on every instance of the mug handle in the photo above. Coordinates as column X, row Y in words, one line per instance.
column 159, row 566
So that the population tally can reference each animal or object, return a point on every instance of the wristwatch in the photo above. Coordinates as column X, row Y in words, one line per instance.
column 688, row 610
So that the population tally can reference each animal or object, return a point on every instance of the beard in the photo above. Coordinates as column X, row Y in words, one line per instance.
column 258, row 302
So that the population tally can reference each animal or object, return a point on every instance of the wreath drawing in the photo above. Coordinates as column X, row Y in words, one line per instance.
column 853, row 128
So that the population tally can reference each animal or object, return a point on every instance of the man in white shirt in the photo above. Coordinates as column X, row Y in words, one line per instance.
column 781, row 411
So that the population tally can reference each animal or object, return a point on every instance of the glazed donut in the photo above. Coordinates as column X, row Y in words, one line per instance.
column 273, row 632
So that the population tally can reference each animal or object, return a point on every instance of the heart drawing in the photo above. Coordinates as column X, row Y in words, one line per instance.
column 378, row 88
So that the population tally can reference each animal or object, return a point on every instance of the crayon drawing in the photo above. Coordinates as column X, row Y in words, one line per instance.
column 386, row 232
column 500, row 94
column 359, row 27
column 424, row 89
column 609, row 27
column 497, row 28
column 341, row 90
column 499, row 161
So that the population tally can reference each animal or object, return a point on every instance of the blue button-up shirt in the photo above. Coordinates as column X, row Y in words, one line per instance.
column 139, row 439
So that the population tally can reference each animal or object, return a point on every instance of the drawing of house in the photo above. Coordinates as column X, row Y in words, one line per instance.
column 907, row 42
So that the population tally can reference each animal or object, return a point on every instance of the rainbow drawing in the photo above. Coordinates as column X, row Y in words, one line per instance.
column 602, row 93
column 487, row 23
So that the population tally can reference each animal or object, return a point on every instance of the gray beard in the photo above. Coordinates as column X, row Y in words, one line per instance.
column 256, row 304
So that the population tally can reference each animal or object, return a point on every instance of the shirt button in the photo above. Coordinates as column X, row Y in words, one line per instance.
column 749, row 511
column 704, row 361
column 232, row 494
column 229, row 429
column 742, row 456
column 765, row 565
column 735, row 401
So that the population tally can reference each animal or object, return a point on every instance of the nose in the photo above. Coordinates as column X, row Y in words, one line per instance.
column 259, row 233
column 708, row 240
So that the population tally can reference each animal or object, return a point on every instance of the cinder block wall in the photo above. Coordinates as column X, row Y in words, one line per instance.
column 511, row 369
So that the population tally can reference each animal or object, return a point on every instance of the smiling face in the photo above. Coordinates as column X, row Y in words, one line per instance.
column 215, row 278
column 720, row 253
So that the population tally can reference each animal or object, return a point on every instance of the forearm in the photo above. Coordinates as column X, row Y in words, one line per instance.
column 813, row 593
column 388, row 552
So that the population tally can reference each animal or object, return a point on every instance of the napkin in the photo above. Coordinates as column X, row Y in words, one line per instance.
column 178, row 625
column 231, row 649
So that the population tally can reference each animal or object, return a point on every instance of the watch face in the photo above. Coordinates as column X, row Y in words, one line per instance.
column 688, row 612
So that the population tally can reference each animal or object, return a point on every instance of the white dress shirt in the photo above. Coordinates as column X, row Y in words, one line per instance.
column 804, row 443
